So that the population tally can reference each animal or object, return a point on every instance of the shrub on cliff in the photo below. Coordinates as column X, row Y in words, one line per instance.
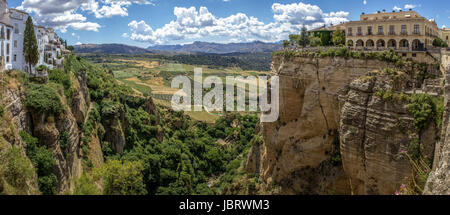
column 43, row 161
column 43, row 98
column 122, row 178
column 15, row 171
column 425, row 109
column 338, row 38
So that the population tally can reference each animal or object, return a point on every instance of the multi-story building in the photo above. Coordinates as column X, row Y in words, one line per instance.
column 445, row 34
column 18, row 19
column 12, row 28
column 403, row 31
column 5, row 36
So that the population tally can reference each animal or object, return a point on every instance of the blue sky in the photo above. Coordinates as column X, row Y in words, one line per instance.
column 149, row 22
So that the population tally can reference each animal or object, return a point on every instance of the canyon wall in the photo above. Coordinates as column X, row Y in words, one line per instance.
column 333, row 136
column 439, row 180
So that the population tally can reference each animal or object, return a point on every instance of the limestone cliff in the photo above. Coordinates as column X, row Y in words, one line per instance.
column 327, row 114
column 17, row 175
column 374, row 132
column 439, row 181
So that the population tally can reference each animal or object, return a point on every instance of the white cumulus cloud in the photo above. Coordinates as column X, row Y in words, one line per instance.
column 61, row 14
column 192, row 23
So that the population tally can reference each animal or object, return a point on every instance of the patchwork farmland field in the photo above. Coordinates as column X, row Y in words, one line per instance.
column 152, row 76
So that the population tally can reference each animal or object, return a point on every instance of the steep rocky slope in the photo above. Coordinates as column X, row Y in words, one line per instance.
column 439, row 180
column 58, row 115
column 333, row 134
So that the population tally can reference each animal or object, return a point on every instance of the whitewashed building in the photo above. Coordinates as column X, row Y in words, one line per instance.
column 12, row 28
column 5, row 36
column 18, row 19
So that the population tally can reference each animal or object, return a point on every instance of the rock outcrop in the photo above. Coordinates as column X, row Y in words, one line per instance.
column 62, row 134
column 374, row 134
column 439, row 180
column 327, row 113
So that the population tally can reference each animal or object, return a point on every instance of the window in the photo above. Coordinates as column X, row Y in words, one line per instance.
column 8, row 34
column 369, row 30
column 15, row 58
column 392, row 30
column 7, row 59
column 380, row 29
column 416, row 29
column 15, row 43
column 16, row 28
column 350, row 32
column 7, row 49
column 404, row 29
column 404, row 54
column 414, row 55
column 359, row 31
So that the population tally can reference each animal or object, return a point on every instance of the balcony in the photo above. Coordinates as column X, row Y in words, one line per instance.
column 380, row 33
column 416, row 33
column 404, row 33
column 359, row 34
column 391, row 33
column 369, row 33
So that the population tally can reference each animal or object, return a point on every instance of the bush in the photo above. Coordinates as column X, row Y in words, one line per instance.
column 44, row 163
column 85, row 185
column 425, row 109
column 15, row 170
column 43, row 99
column 47, row 184
column 41, row 68
column 314, row 41
column 338, row 38
column 438, row 42
column 122, row 178
column 59, row 76
column 2, row 110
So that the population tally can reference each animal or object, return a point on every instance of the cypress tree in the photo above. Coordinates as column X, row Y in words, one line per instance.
column 30, row 46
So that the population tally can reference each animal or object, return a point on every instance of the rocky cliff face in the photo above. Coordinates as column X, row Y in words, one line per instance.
column 374, row 132
column 328, row 114
column 439, row 181
column 62, row 135
column 13, row 118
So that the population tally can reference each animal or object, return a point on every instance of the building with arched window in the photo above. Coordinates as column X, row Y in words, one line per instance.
column 401, row 30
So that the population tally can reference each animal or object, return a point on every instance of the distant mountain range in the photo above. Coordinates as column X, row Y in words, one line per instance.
column 196, row 47
column 110, row 49
column 220, row 48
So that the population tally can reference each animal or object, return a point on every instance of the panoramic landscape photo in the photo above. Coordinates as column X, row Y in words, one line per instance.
column 224, row 97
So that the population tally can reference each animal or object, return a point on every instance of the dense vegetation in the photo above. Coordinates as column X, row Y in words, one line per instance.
column 166, row 153
column 43, row 161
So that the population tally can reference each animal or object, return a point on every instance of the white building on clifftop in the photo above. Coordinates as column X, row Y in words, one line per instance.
column 12, row 28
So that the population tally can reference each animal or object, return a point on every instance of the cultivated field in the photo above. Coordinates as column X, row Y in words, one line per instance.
column 152, row 76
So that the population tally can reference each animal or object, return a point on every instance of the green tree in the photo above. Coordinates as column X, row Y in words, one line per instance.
column 304, row 38
column 30, row 46
column 294, row 39
column 338, row 38
column 122, row 178
column 314, row 41
column 286, row 43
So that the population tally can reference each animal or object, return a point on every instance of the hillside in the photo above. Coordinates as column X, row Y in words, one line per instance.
column 219, row 48
column 110, row 49
column 80, row 131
